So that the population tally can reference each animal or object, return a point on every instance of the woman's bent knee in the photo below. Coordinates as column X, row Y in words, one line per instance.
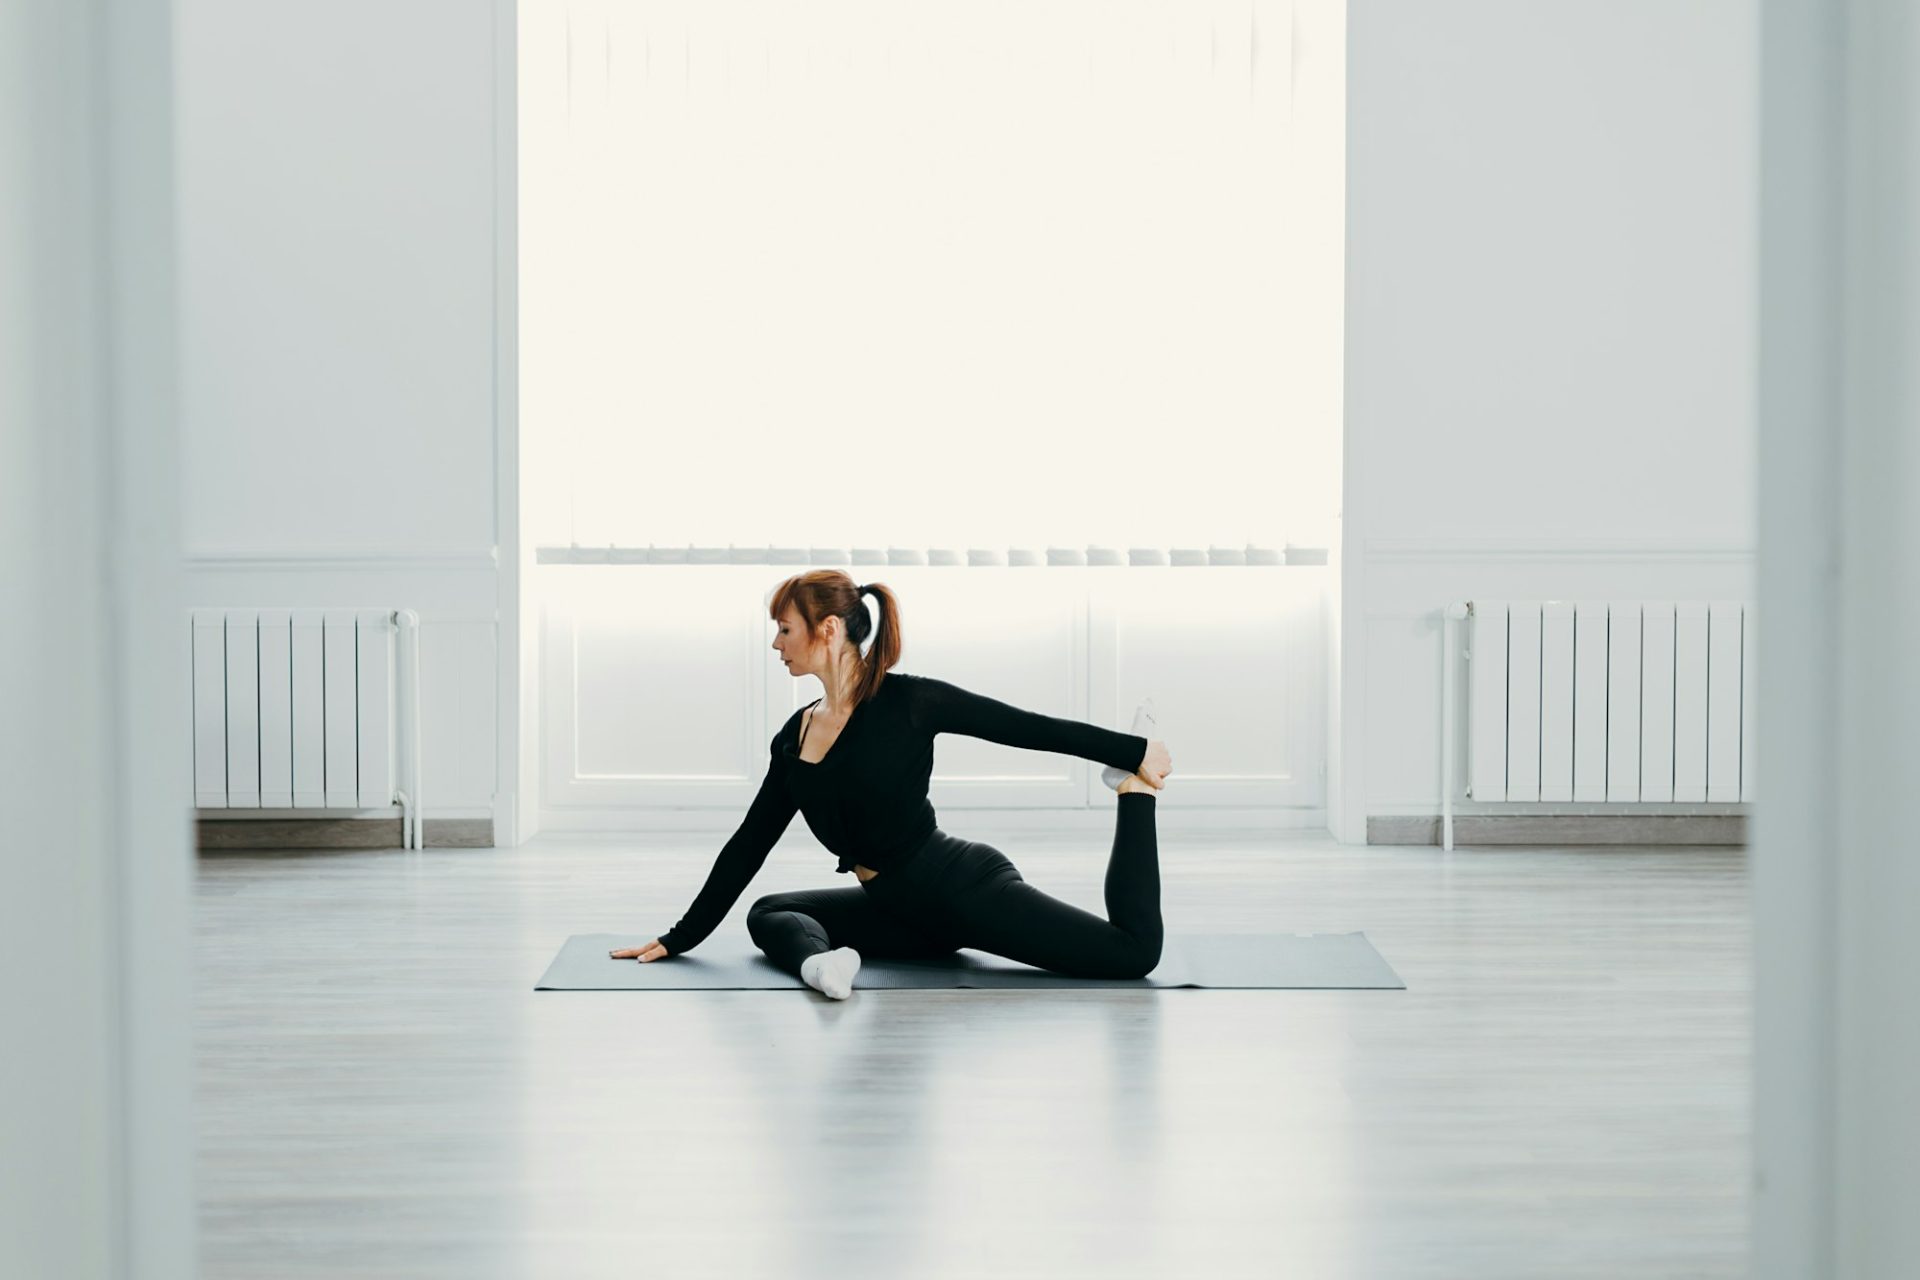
column 762, row 909
column 1135, row 961
column 769, row 904
column 1145, row 960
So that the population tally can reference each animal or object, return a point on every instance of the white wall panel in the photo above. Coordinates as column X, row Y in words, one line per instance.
column 459, row 723
column 957, row 633
column 336, row 287
column 659, row 692
column 1621, row 336
column 1232, row 657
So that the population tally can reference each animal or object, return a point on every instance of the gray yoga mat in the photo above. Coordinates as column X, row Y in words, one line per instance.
column 730, row 962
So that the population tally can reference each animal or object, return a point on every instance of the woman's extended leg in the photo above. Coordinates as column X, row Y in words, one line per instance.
column 1009, row 917
column 789, row 927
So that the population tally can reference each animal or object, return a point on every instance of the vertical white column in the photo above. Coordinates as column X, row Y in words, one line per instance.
column 516, row 807
column 1836, row 1045
column 96, row 1089
column 1876, row 947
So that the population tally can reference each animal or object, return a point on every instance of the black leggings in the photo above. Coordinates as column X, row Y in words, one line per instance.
column 954, row 893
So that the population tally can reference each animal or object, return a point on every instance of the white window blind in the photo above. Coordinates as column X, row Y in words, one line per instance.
column 962, row 273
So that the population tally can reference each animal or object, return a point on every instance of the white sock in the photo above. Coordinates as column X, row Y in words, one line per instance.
column 1144, row 725
column 831, row 972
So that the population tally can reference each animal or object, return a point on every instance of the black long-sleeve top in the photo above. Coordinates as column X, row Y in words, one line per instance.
column 866, row 799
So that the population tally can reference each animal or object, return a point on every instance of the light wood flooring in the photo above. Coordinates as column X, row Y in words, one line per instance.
column 1562, row 1090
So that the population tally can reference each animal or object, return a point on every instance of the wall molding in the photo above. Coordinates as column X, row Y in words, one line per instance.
column 1564, row 551
column 339, row 560
column 434, row 616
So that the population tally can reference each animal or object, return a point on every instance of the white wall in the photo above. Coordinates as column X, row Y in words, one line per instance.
column 1547, row 340
column 338, row 350
column 1549, row 346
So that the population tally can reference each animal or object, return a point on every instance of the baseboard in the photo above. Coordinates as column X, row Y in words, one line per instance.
column 340, row 833
column 1552, row 830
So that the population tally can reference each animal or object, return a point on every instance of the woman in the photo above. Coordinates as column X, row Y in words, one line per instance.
column 857, row 761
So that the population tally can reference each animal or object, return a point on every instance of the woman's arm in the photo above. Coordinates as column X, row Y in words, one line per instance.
column 941, row 707
column 740, row 860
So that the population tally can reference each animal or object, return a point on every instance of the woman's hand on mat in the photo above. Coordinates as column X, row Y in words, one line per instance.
column 652, row 951
column 1156, row 764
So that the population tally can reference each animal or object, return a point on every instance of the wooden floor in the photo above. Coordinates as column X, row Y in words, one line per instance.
column 1562, row 1090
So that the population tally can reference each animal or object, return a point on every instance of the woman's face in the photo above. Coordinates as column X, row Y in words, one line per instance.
column 790, row 642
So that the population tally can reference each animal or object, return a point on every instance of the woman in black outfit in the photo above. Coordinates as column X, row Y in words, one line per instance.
column 857, row 763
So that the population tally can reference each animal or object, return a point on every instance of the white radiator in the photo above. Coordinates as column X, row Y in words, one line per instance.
column 307, row 709
column 1602, row 702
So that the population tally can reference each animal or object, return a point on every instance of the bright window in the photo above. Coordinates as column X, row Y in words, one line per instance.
column 960, row 273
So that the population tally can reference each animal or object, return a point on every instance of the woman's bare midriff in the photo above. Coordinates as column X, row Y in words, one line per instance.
column 865, row 873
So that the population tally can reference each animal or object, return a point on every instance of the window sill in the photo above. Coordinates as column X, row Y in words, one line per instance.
column 1011, row 557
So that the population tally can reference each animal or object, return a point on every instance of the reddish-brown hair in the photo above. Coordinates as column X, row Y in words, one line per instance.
column 820, row 594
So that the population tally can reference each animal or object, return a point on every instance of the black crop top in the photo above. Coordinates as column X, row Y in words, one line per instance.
column 866, row 799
